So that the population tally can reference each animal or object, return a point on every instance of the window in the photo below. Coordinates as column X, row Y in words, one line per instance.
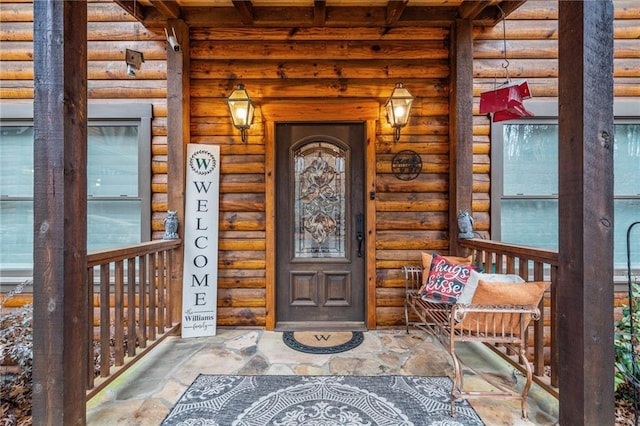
column 524, row 199
column 118, row 182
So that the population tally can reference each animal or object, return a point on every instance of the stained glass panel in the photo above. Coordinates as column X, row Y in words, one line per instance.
column 319, row 204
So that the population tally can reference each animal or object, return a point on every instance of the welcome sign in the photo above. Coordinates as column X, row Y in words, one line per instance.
column 200, row 277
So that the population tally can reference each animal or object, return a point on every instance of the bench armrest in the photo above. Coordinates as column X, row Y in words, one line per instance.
column 412, row 278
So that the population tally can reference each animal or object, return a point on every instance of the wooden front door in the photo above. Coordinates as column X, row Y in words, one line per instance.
column 320, row 225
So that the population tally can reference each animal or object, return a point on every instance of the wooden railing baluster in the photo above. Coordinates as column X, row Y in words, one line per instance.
column 90, row 317
column 119, row 314
column 131, row 307
column 538, row 326
column 153, row 291
column 555, row 354
column 511, row 264
column 142, row 310
column 168, row 268
column 105, row 320
column 146, row 319
column 161, row 292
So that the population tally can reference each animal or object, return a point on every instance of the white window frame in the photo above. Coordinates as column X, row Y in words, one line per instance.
column 545, row 112
column 99, row 114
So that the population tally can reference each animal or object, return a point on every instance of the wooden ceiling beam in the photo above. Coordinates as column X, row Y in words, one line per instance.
column 470, row 9
column 319, row 13
column 133, row 8
column 509, row 6
column 168, row 9
column 394, row 11
column 426, row 16
column 245, row 9
column 397, row 13
column 495, row 13
column 303, row 17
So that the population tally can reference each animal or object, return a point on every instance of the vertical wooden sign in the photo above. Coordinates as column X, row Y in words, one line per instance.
column 200, row 277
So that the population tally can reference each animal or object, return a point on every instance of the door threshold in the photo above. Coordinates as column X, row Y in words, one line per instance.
column 320, row 326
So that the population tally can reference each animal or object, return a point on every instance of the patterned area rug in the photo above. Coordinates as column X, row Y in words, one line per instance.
column 322, row 342
column 319, row 400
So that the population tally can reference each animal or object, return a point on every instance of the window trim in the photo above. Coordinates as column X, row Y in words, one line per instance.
column 104, row 113
column 545, row 111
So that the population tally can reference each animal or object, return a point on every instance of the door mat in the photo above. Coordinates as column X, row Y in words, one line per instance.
column 320, row 400
column 322, row 342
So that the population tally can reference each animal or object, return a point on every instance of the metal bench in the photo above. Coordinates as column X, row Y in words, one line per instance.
column 452, row 323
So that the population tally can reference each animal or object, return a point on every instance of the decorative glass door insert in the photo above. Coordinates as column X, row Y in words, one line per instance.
column 320, row 183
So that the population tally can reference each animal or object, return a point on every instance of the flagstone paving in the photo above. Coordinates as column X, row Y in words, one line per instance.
column 145, row 394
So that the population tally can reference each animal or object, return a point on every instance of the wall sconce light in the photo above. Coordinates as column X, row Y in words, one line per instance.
column 241, row 109
column 134, row 61
column 398, row 108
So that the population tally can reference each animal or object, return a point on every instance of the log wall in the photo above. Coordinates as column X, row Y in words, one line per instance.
column 532, row 49
column 356, row 64
column 316, row 64
column 532, row 52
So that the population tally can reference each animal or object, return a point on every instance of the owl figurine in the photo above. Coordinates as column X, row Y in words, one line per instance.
column 465, row 224
column 171, row 225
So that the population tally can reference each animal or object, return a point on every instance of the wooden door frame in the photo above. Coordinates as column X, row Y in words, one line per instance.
column 319, row 111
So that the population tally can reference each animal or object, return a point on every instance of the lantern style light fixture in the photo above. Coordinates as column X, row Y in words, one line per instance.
column 398, row 108
column 241, row 109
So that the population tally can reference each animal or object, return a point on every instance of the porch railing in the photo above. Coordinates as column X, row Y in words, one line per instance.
column 131, row 299
column 533, row 265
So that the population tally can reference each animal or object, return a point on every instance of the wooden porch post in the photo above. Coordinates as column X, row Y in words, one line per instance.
column 60, row 212
column 178, row 136
column 585, row 158
column 460, row 127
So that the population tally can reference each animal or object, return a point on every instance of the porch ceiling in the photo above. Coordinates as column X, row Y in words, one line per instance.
column 384, row 14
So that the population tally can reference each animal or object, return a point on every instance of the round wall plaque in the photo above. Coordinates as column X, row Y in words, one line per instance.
column 406, row 165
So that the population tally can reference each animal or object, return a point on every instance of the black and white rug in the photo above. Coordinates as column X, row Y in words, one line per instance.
column 319, row 401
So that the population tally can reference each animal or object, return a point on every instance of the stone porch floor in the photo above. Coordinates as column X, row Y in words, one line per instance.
column 145, row 394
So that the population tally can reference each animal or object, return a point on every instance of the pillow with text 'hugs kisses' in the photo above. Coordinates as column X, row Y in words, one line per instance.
column 446, row 280
column 428, row 257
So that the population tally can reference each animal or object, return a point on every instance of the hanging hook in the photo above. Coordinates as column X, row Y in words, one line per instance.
column 505, row 65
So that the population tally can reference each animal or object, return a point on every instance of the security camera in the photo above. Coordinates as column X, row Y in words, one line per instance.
column 172, row 40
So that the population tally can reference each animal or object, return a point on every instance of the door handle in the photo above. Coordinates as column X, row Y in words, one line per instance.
column 360, row 232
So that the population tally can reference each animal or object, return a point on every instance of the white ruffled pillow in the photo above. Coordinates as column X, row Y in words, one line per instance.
column 472, row 283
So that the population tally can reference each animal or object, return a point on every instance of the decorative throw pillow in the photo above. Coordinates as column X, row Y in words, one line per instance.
column 502, row 293
column 428, row 257
column 446, row 280
column 469, row 288
column 472, row 283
